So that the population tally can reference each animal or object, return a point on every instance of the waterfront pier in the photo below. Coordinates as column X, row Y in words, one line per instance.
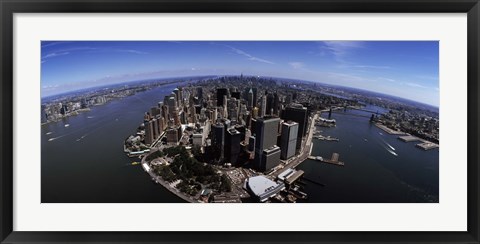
column 333, row 160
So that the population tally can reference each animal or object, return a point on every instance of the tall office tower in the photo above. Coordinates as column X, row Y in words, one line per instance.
column 255, row 113
column 263, row 106
column 297, row 113
column 165, row 111
column 250, row 99
column 233, row 108
column 269, row 110
column 254, row 89
column 251, row 143
column 225, row 100
column 173, row 135
column 270, row 158
column 266, row 132
column 155, row 129
column 177, row 96
column 218, row 140
column 276, row 103
column 161, row 125
column 221, row 93
column 236, row 94
column 149, row 136
column 232, row 145
column 242, row 130
column 172, row 104
column 180, row 96
column 288, row 99
column 289, row 139
column 165, row 100
column 253, row 126
column 215, row 115
column 146, row 116
column 200, row 93
column 183, row 117
column 176, row 117
column 154, row 111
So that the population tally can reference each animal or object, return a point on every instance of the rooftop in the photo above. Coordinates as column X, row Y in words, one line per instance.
column 260, row 184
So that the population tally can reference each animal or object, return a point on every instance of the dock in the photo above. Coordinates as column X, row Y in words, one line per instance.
column 424, row 144
column 389, row 131
column 333, row 160
column 408, row 138
column 326, row 138
column 427, row 145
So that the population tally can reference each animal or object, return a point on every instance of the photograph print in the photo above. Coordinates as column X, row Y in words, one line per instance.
column 239, row 122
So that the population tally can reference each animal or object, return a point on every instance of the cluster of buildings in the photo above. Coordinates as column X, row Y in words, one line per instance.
column 421, row 125
column 62, row 106
column 233, row 126
column 234, row 121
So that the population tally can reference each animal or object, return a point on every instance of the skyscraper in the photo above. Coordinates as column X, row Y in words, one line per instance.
column 269, row 106
column 200, row 93
column 232, row 145
column 263, row 106
column 266, row 130
column 276, row 104
column 221, row 93
column 289, row 139
column 149, row 136
column 218, row 140
column 177, row 96
column 250, row 100
column 297, row 113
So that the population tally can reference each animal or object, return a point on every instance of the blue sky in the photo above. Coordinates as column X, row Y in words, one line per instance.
column 407, row 69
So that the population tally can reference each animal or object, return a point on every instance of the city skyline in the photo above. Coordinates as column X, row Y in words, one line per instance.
column 407, row 69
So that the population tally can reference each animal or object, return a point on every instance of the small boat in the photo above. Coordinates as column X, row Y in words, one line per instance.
column 365, row 139
column 135, row 163
column 48, row 133
column 67, row 125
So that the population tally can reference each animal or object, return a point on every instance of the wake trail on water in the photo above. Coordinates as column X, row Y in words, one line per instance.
column 387, row 147
column 90, row 132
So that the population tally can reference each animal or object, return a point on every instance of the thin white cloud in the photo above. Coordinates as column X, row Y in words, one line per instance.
column 130, row 51
column 415, row 85
column 297, row 65
column 52, row 44
column 249, row 56
column 385, row 79
column 55, row 54
column 340, row 49
column 371, row 66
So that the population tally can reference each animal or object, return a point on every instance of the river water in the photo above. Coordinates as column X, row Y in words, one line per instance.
column 372, row 172
column 85, row 163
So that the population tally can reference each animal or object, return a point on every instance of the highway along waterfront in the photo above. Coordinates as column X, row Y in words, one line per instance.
column 378, row 166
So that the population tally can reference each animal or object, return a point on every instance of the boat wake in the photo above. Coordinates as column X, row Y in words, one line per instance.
column 79, row 139
column 388, row 145
column 89, row 117
column 48, row 133
column 392, row 152
column 55, row 138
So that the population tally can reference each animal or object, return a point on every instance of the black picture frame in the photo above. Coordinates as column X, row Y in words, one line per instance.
column 9, row 7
